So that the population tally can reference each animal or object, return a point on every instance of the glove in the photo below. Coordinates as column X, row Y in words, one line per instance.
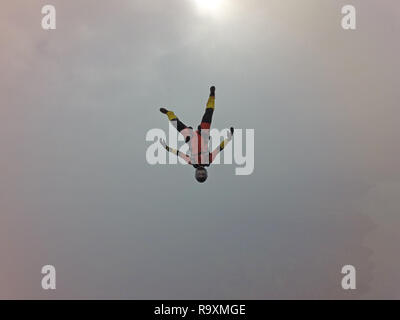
column 163, row 143
column 230, row 133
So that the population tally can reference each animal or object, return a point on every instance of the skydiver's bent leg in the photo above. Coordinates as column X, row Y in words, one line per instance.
column 179, row 125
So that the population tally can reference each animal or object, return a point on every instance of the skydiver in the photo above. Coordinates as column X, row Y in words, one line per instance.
column 199, row 156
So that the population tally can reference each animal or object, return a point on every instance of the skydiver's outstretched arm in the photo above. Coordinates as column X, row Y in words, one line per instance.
column 222, row 145
column 176, row 152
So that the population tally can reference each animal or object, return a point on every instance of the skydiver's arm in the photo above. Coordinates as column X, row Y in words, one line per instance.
column 222, row 145
column 176, row 152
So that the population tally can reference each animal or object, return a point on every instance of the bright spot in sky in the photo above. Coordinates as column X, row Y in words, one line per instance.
column 209, row 5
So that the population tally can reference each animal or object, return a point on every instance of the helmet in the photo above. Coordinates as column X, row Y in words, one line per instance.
column 201, row 174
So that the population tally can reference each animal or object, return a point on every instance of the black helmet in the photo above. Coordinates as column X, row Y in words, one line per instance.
column 201, row 174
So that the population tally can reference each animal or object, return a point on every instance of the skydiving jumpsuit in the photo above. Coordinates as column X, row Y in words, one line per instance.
column 198, row 140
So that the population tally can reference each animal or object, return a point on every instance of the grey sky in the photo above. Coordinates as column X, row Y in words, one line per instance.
column 76, row 190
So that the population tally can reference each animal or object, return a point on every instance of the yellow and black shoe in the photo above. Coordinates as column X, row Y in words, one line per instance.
column 212, row 91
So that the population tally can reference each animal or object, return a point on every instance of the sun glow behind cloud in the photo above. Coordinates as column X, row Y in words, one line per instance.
column 209, row 6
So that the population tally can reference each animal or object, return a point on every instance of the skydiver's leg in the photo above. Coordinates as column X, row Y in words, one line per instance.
column 207, row 117
column 179, row 125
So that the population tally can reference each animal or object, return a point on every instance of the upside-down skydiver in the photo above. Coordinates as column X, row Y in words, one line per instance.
column 199, row 156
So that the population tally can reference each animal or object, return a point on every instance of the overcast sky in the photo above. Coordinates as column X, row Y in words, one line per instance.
column 76, row 190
